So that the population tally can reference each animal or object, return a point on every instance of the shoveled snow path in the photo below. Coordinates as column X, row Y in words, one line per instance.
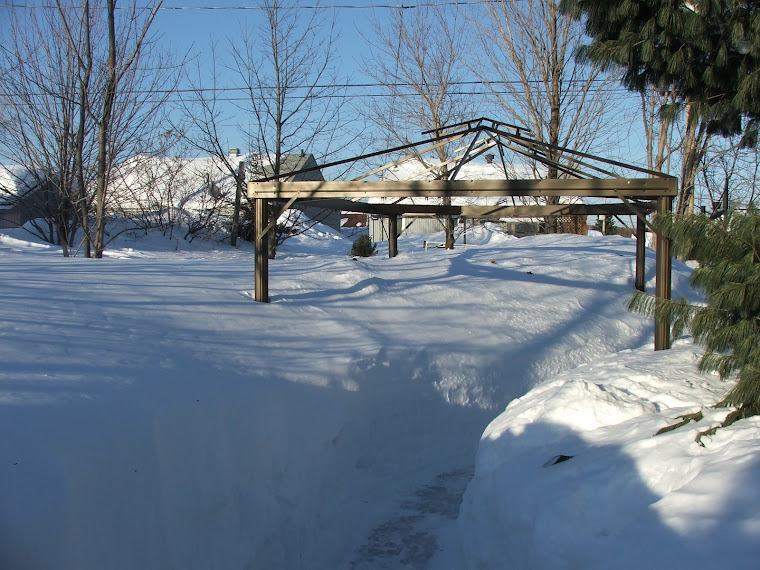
column 162, row 419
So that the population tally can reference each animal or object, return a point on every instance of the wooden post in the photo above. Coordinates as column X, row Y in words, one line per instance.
column 641, row 249
column 239, row 179
column 261, row 270
column 663, row 276
column 392, row 236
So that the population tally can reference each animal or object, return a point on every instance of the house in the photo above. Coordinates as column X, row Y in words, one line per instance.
column 20, row 195
column 197, row 187
column 303, row 161
column 474, row 170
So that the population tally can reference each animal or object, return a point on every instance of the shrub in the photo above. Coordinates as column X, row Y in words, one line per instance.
column 363, row 247
column 728, row 325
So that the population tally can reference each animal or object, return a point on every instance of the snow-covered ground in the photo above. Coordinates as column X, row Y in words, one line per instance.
column 155, row 416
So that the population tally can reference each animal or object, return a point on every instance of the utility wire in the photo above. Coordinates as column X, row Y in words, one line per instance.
column 410, row 85
column 610, row 88
column 165, row 8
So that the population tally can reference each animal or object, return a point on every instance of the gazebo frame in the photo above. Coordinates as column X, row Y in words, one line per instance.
column 582, row 175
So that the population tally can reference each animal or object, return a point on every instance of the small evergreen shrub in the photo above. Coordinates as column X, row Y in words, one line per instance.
column 606, row 227
column 363, row 247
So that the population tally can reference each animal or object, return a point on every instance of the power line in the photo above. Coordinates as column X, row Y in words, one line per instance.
column 165, row 8
column 606, row 87
column 240, row 99
column 517, row 82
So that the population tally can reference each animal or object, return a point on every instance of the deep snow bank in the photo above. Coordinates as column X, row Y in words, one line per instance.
column 157, row 418
column 571, row 476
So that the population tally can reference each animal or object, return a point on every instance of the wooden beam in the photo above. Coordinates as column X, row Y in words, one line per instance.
column 392, row 236
column 276, row 217
column 643, row 188
column 527, row 142
column 483, row 212
column 408, row 157
column 641, row 254
column 456, row 159
column 355, row 159
column 384, row 209
column 261, row 267
column 663, row 277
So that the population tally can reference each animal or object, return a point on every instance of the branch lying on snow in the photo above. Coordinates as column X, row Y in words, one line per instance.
column 740, row 413
column 733, row 416
column 685, row 419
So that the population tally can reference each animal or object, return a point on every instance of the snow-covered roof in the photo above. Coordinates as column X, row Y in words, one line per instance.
column 160, row 182
column 475, row 170
column 150, row 183
column 15, row 181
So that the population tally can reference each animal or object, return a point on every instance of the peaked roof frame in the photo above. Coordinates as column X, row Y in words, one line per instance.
column 578, row 175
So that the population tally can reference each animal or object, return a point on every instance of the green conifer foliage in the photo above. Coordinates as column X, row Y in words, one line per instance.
column 608, row 227
column 728, row 325
column 708, row 50
column 363, row 247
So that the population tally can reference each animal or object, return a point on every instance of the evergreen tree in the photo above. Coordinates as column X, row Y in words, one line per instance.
column 707, row 50
column 728, row 326
column 606, row 225
column 363, row 247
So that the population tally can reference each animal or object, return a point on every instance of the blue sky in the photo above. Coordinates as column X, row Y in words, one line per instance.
column 189, row 27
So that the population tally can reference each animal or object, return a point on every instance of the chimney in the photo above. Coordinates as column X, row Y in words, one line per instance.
column 234, row 152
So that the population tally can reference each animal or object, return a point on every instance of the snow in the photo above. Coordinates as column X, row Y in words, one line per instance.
column 473, row 170
column 156, row 417
column 150, row 183
column 15, row 181
column 624, row 499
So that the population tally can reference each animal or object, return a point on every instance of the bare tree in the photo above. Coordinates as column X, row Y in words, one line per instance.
column 84, row 92
column 294, row 104
column 693, row 146
column 417, row 58
column 205, row 120
column 682, row 138
column 120, row 116
column 147, row 191
column 658, row 129
column 528, row 64
column 40, row 121
column 728, row 177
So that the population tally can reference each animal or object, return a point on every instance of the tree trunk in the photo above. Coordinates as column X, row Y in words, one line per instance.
column 694, row 146
column 103, row 132
column 555, row 117
column 449, row 226
column 84, row 89
column 239, row 181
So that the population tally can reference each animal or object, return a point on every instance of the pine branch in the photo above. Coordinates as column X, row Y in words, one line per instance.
column 728, row 325
column 685, row 419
